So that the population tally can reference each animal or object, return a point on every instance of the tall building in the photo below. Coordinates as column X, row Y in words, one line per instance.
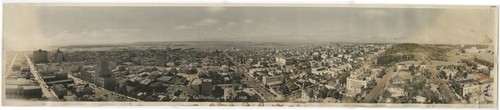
column 206, row 87
column 40, row 56
column 108, row 83
column 102, row 76
column 59, row 56
column 160, row 59
column 102, row 68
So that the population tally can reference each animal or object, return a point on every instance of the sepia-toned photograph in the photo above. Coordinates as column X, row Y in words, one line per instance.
column 340, row 55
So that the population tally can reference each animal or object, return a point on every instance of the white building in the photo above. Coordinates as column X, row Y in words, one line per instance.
column 229, row 94
column 282, row 61
column 450, row 72
column 472, row 50
column 420, row 99
column 271, row 80
column 324, row 71
column 397, row 80
column 470, row 86
column 356, row 82
column 396, row 90
column 406, row 67
column 483, row 69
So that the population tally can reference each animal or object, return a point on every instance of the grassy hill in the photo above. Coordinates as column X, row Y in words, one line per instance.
column 411, row 51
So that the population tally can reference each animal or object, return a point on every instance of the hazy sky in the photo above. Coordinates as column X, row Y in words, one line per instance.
column 29, row 26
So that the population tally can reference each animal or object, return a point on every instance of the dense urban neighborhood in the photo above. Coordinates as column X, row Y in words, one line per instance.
column 255, row 72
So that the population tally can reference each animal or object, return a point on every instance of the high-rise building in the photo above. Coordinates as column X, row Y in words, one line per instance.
column 102, row 68
column 108, row 83
column 103, row 77
column 40, row 56
column 206, row 87
column 59, row 56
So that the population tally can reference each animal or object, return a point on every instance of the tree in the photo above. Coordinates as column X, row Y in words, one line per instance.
column 241, row 97
column 193, row 71
column 486, row 90
column 285, row 90
column 177, row 93
column 357, row 97
column 337, row 95
column 311, row 93
column 343, row 80
column 411, row 68
column 442, row 74
column 434, row 98
column 323, row 93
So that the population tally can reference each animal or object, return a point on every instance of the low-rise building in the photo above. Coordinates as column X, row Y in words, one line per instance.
column 60, row 90
column 465, row 87
column 22, row 88
column 272, row 80
column 325, row 71
column 357, row 82
column 396, row 90
column 282, row 61
column 195, row 86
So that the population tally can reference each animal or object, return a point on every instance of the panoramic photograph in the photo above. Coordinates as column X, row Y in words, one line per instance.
column 225, row 55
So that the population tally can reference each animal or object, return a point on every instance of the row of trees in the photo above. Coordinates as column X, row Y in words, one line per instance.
column 324, row 93
column 391, row 59
column 403, row 48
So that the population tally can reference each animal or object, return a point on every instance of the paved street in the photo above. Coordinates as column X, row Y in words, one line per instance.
column 268, row 96
column 101, row 91
column 45, row 89
column 449, row 95
column 9, row 68
column 377, row 90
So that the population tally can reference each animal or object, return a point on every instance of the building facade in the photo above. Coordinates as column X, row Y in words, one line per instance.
column 15, row 91
column 282, row 61
column 59, row 56
column 272, row 80
column 40, row 56
column 206, row 87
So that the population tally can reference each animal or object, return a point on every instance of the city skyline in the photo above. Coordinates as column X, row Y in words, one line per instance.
column 209, row 55
column 331, row 73
column 84, row 25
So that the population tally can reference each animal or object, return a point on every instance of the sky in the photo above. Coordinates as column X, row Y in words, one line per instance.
column 32, row 26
